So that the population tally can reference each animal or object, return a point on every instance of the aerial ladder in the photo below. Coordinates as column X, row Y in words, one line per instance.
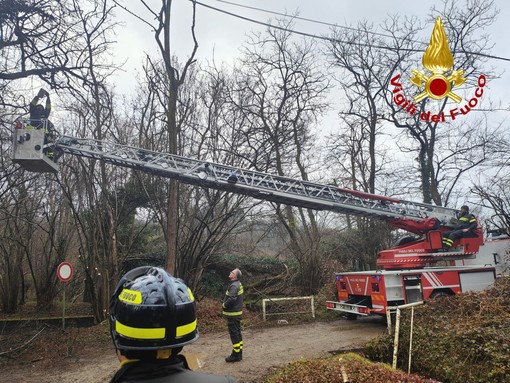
column 30, row 152
column 425, row 220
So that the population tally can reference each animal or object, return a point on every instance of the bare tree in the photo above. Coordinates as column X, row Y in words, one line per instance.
column 64, row 45
column 443, row 144
column 206, row 217
column 494, row 193
column 369, row 61
column 90, row 113
column 90, row 188
column 174, row 78
column 43, row 39
column 36, row 235
column 366, row 61
column 496, row 197
column 104, row 216
column 16, row 230
column 280, row 90
column 371, row 64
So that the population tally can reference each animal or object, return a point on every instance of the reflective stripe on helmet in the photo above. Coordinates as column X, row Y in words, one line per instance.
column 140, row 333
column 191, row 297
column 186, row 329
column 153, row 333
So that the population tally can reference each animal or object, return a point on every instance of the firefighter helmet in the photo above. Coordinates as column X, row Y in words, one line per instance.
column 151, row 310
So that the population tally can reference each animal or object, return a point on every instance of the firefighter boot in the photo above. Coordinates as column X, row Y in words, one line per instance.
column 234, row 357
column 447, row 244
column 446, row 248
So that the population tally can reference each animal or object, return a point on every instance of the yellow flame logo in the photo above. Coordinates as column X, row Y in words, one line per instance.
column 438, row 59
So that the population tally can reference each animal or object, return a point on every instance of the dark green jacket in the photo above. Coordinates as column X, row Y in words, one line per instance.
column 466, row 221
column 173, row 370
column 233, row 301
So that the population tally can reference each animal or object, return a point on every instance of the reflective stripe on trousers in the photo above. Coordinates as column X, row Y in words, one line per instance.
column 234, row 330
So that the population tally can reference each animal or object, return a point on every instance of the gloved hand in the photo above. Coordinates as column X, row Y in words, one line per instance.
column 42, row 93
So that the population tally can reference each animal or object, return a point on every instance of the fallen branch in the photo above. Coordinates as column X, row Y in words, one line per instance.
column 345, row 378
column 6, row 353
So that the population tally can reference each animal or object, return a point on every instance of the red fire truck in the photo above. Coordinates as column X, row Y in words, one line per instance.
column 414, row 270
column 418, row 270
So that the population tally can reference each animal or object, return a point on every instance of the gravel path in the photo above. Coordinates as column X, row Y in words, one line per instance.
column 264, row 350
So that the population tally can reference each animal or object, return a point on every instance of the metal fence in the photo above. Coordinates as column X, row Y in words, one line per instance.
column 270, row 300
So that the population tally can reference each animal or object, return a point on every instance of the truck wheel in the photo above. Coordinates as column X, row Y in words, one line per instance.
column 439, row 294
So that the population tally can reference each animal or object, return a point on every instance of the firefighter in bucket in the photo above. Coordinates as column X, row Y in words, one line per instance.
column 39, row 115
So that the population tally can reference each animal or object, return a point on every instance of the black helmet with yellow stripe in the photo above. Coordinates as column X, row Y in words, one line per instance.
column 151, row 310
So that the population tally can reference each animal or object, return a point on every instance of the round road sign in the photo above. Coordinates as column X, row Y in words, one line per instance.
column 65, row 271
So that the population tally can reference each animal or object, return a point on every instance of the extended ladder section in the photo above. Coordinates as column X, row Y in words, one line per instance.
column 28, row 152
column 255, row 184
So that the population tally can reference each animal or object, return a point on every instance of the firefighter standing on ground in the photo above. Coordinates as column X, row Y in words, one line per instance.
column 465, row 228
column 233, row 311
column 152, row 316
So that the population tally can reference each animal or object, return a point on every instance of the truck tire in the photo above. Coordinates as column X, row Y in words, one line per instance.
column 439, row 294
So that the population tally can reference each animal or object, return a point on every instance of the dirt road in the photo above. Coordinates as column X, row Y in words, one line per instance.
column 264, row 349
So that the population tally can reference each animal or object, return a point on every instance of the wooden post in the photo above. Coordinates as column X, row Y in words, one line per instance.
column 395, row 342
column 64, row 308
column 410, row 340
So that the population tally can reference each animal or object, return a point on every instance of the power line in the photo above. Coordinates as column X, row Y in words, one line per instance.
column 307, row 19
column 299, row 32
column 325, row 38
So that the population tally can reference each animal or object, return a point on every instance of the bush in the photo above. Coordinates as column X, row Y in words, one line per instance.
column 458, row 339
column 352, row 366
column 215, row 278
column 328, row 292
column 210, row 318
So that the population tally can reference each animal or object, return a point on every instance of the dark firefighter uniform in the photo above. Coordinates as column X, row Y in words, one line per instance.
column 465, row 228
column 39, row 113
column 39, row 120
column 233, row 311
column 174, row 370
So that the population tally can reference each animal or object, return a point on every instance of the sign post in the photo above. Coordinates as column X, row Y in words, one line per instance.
column 64, row 273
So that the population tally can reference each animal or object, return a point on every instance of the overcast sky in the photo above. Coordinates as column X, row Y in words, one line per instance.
column 223, row 34
column 220, row 35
